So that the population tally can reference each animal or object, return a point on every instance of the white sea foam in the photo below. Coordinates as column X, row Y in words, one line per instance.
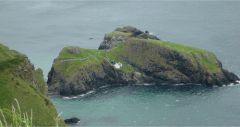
column 184, row 84
column 66, row 98
column 104, row 86
column 147, row 84
column 79, row 96
column 232, row 84
column 69, row 98
column 238, row 81
column 74, row 97
column 180, row 84
column 90, row 92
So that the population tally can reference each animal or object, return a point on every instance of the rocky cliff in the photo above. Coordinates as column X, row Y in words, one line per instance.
column 19, row 79
column 130, row 56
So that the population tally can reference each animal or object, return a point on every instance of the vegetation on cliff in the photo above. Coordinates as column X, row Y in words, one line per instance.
column 20, row 81
column 143, row 57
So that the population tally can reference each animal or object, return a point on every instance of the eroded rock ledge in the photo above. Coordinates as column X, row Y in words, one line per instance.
column 130, row 56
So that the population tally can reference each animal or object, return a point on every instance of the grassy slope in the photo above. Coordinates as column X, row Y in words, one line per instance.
column 38, row 74
column 29, row 97
column 88, row 57
column 206, row 59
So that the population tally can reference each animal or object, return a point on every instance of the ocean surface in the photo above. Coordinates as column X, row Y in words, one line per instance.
column 41, row 28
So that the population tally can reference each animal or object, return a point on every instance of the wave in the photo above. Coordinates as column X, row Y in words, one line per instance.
column 238, row 81
column 230, row 85
column 78, row 96
column 184, row 84
column 147, row 84
column 104, row 86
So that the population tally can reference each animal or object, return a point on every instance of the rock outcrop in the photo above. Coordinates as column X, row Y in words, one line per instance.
column 122, row 34
column 73, row 120
column 20, row 80
column 130, row 56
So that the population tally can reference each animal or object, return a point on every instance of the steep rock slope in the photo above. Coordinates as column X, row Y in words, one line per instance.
column 19, row 79
column 130, row 56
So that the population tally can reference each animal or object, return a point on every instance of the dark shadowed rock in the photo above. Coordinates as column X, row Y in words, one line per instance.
column 73, row 120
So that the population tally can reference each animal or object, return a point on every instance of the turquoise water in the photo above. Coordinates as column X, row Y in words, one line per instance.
column 40, row 29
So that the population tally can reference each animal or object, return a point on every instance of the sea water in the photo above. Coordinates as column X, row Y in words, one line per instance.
column 154, row 106
column 40, row 29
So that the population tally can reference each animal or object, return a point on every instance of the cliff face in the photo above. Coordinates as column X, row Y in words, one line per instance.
column 19, row 79
column 130, row 56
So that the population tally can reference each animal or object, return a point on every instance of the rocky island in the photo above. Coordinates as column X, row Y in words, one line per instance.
column 19, row 80
column 129, row 56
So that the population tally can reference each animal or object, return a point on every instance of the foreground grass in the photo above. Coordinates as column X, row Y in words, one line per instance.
column 16, row 118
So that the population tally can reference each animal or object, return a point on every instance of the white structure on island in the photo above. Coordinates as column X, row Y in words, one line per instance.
column 117, row 65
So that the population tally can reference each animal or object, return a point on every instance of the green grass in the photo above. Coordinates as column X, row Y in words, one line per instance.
column 41, row 84
column 117, row 33
column 17, row 118
column 197, row 56
column 30, row 98
column 69, row 63
column 115, row 54
column 93, row 58
column 7, row 54
column 206, row 59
